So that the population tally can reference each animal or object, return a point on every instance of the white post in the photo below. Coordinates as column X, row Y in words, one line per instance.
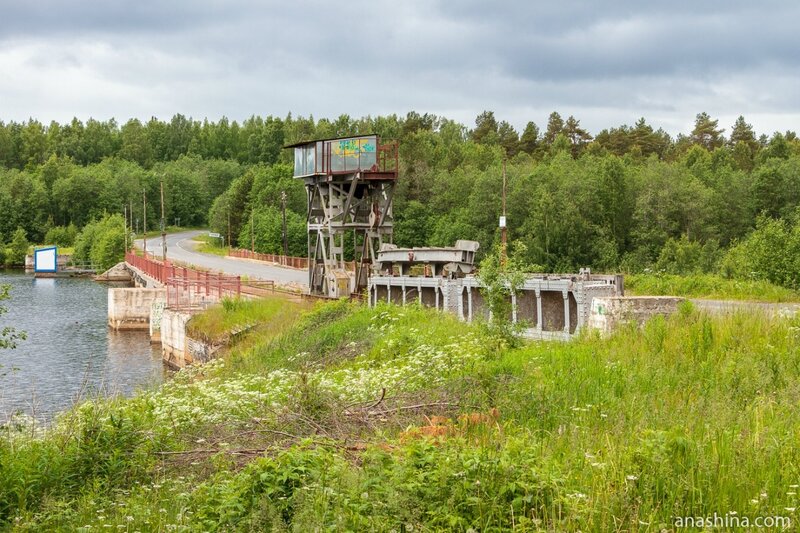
column 539, row 321
column 514, row 307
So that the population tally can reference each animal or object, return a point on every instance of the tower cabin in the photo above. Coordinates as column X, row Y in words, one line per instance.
column 350, row 184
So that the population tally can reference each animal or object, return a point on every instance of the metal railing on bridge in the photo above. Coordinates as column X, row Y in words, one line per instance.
column 186, row 287
column 282, row 260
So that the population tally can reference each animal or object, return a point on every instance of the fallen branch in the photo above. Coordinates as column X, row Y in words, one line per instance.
column 375, row 404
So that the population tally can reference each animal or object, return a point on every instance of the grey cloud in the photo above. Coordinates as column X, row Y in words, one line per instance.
column 522, row 59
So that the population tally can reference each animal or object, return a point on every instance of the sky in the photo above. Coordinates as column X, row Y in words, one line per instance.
column 605, row 62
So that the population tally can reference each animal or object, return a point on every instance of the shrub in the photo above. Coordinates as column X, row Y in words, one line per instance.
column 101, row 242
column 682, row 256
column 771, row 253
column 63, row 236
column 18, row 248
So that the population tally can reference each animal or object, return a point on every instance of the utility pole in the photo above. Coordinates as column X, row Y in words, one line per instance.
column 503, row 236
column 163, row 226
column 125, row 225
column 229, row 230
column 252, row 233
column 144, row 221
column 283, row 214
column 130, row 212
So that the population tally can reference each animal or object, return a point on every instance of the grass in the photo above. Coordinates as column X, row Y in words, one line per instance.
column 169, row 229
column 210, row 245
column 707, row 286
column 62, row 250
column 273, row 315
column 350, row 418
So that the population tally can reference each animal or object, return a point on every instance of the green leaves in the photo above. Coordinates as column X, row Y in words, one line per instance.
column 8, row 336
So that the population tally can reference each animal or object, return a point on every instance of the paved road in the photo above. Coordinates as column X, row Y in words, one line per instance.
column 180, row 247
column 722, row 306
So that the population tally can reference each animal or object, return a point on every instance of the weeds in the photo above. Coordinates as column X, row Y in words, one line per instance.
column 708, row 286
column 406, row 419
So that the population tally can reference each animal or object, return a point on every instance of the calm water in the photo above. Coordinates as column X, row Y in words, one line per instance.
column 69, row 352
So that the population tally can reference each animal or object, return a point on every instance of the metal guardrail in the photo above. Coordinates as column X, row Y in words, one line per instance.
column 187, row 287
column 282, row 260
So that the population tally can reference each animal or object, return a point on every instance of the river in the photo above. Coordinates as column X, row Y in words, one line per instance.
column 70, row 353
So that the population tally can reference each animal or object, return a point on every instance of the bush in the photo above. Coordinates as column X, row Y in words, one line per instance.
column 269, row 232
column 18, row 248
column 101, row 243
column 62, row 236
column 682, row 256
column 771, row 253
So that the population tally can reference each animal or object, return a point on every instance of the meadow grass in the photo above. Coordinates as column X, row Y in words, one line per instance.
column 708, row 286
column 210, row 245
column 393, row 419
column 271, row 315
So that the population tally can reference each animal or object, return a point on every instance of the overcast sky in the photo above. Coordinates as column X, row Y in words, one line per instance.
column 606, row 62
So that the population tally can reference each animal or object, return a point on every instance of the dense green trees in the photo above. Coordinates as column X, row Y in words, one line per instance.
column 631, row 197
column 101, row 243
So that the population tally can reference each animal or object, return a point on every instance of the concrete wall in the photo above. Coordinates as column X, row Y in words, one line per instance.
column 62, row 260
column 609, row 313
column 174, row 345
column 130, row 308
column 156, row 312
column 560, row 299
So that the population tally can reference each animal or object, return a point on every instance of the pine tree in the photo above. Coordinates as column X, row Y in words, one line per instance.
column 578, row 137
column 486, row 127
column 706, row 133
column 555, row 125
column 509, row 138
column 744, row 144
column 530, row 138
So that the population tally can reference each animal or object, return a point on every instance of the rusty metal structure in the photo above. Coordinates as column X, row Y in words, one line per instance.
column 350, row 183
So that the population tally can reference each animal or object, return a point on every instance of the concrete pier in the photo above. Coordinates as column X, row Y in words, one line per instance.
column 129, row 308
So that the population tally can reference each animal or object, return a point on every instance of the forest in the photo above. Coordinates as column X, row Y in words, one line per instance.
column 630, row 198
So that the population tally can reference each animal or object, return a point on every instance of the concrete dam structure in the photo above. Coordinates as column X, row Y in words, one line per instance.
column 548, row 306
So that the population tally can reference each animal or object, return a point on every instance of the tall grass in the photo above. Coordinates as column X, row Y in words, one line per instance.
column 210, row 245
column 689, row 416
column 707, row 286
column 275, row 313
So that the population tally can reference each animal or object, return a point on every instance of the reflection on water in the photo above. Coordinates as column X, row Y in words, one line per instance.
column 70, row 352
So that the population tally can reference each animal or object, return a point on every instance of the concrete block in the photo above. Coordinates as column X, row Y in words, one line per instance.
column 174, row 346
column 610, row 312
column 129, row 308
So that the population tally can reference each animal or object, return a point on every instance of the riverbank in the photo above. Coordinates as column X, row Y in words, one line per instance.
column 390, row 418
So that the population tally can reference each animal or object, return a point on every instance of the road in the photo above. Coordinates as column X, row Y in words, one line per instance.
column 723, row 306
column 181, row 247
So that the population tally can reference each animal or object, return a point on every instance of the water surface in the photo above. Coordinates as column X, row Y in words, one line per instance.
column 70, row 352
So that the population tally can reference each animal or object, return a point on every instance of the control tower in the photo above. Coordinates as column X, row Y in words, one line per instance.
column 350, row 183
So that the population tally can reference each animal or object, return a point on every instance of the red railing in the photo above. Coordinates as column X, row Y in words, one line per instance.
column 282, row 260
column 186, row 287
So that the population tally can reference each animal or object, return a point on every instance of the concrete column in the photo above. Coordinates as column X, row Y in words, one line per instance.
column 436, row 290
column 419, row 292
column 566, row 311
column 514, row 307
column 389, row 290
column 461, row 302
column 539, row 321
column 469, row 303
column 403, row 286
